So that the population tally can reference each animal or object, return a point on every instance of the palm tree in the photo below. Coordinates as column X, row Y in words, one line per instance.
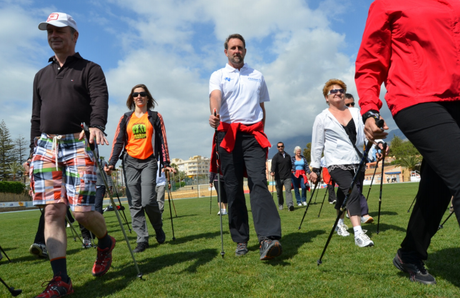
column 15, row 168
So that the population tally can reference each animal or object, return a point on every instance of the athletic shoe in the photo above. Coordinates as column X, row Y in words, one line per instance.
column 362, row 240
column 291, row 208
column 304, row 203
column 241, row 249
column 141, row 246
column 103, row 259
column 224, row 212
column 367, row 219
column 57, row 288
column 417, row 271
column 86, row 243
column 39, row 250
column 299, row 204
column 160, row 235
column 280, row 207
column 270, row 249
column 342, row 230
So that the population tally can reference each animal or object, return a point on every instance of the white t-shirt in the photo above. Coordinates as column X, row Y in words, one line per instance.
column 242, row 92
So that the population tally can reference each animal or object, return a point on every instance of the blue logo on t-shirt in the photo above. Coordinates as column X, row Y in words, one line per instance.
column 227, row 79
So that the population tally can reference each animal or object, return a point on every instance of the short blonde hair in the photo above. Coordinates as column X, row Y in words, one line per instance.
column 298, row 148
column 332, row 82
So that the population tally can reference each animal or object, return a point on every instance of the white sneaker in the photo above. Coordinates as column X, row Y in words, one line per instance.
column 366, row 219
column 362, row 240
column 299, row 204
column 341, row 230
column 224, row 212
column 304, row 203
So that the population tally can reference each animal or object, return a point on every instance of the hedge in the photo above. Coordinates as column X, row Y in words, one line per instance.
column 12, row 187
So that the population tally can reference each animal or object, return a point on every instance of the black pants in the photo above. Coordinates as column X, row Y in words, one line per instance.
column 250, row 156
column 343, row 179
column 434, row 130
column 223, row 194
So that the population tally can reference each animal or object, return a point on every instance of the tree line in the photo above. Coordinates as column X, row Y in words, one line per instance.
column 13, row 153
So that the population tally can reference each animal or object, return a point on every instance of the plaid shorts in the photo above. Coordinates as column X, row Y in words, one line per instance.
column 63, row 171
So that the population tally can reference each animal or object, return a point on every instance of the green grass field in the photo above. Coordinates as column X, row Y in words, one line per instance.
column 191, row 266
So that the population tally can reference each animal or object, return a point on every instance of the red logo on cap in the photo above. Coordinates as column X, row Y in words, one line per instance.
column 53, row 17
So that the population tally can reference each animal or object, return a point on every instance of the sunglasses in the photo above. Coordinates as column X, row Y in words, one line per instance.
column 143, row 94
column 334, row 91
column 280, row 146
column 351, row 104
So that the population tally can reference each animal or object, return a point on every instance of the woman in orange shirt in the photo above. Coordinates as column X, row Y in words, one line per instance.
column 141, row 135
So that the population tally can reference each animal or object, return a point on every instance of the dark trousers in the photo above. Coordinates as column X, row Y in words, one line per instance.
column 343, row 179
column 287, row 183
column 222, row 193
column 434, row 130
column 250, row 156
column 331, row 190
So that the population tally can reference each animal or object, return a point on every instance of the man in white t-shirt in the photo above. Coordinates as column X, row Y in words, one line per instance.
column 237, row 94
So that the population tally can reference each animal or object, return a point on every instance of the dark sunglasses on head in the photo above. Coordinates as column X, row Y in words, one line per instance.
column 351, row 104
column 334, row 91
column 135, row 94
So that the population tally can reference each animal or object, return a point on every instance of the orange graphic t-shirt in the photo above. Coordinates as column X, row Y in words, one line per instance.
column 139, row 137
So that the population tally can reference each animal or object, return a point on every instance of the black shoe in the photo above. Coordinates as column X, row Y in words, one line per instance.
column 160, row 235
column 270, row 249
column 417, row 271
column 141, row 246
column 241, row 249
column 291, row 208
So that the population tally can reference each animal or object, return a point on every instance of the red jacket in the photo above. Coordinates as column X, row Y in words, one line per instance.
column 413, row 46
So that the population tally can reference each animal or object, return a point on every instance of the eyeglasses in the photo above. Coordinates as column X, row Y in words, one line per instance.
column 334, row 91
column 142, row 94
column 351, row 104
column 280, row 146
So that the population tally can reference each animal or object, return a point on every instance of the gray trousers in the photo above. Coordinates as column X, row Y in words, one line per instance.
column 279, row 191
column 141, row 182
column 160, row 190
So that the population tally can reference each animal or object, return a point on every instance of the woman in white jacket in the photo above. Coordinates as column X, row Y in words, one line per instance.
column 339, row 132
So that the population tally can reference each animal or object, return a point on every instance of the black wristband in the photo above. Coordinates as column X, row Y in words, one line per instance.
column 371, row 113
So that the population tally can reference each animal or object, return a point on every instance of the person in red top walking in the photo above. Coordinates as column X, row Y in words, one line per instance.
column 413, row 46
column 141, row 135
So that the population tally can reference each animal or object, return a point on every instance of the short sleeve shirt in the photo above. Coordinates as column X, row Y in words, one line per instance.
column 242, row 93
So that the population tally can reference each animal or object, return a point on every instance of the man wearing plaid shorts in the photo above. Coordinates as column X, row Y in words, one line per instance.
column 67, row 92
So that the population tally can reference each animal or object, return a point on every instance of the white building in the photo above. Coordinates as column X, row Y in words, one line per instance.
column 195, row 165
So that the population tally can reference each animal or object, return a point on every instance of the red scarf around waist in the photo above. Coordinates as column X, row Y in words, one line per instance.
column 228, row 143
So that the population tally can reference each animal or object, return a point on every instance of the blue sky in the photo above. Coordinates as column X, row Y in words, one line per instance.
column 174, row 46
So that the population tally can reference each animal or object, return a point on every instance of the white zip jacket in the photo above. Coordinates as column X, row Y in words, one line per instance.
column 329, row 135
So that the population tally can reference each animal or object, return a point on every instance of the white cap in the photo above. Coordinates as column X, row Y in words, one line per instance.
column 58, row 19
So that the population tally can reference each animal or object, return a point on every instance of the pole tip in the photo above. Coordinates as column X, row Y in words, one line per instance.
column 222, row 254
column 319, row 262
column 139, row 275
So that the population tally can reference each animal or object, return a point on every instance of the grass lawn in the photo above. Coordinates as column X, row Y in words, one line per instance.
column 191, row 266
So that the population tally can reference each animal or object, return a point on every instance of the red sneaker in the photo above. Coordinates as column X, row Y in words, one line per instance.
column 57, row 288
column 104, row 259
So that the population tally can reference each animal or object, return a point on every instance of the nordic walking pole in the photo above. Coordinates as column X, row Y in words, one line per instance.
column 174, row 206
column 381, row 186
column 5, row 254
column 11, row 289
column 96, row 155
column 122, row 208
column 372, row 180
column 342, row 209
column 222, row 252
column 324, row 198
column 442, row 225
column 308, row 205
column 75, row 234
column 169, row 200
column 210, row 202
column 316, row 198
column 413, row 201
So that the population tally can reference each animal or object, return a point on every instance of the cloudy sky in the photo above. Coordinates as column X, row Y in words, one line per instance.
column 174, row 46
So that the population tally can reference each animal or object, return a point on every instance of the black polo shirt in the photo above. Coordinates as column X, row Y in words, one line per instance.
column 63, row 97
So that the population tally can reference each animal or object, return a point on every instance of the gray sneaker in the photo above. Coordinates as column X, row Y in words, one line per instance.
column 270, row 249
column 241, row 249
column 362, row 240
column 417, row 271
column 39, row 250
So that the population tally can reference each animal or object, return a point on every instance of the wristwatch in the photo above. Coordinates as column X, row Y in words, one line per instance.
column 371, row 113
